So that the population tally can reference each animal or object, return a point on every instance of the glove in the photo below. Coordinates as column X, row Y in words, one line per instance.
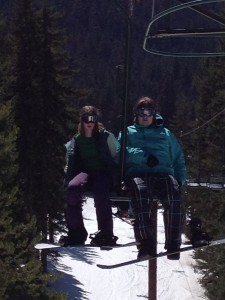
column 179, row 182
column 152, row 161
column 79, row 179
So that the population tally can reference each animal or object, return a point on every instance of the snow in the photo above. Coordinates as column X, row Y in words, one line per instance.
column 83, row 280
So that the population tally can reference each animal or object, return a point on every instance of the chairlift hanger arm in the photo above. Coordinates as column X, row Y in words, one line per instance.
column 197, row 32
column 188, row 33
column 151, row 34
column 180, row 54
column 179, row 7
column 204, row 12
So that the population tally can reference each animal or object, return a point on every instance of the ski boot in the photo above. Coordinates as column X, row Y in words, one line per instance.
column 74, row 238
column 199, row 238
column 147, row 247
column 173, row 251
column 100, row 238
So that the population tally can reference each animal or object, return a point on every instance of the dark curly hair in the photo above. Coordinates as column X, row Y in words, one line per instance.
column 141, row 103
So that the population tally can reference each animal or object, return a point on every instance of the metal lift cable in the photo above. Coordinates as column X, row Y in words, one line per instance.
column 207, row 122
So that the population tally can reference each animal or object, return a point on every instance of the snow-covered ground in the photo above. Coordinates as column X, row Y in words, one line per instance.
column 83, row 280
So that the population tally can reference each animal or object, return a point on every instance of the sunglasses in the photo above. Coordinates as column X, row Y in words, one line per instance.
column 89, row 118
column 145, row 113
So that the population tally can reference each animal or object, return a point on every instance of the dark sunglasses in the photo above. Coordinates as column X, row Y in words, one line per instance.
column 142, row 112
column 89, row 118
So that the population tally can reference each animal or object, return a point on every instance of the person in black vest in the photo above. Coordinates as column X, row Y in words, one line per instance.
column 90, row 162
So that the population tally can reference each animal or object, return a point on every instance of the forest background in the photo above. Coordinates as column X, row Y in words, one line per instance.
column 57, row 56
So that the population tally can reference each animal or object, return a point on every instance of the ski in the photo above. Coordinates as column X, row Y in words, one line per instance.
column 161, row 254
column 126, row 220
column 46, row 245
column 120, row 246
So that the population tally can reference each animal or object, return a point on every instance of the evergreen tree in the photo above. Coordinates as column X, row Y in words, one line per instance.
column 41, row 114
column 207, row 149
column 20, row 271
column 210, row 136
column 56, row 116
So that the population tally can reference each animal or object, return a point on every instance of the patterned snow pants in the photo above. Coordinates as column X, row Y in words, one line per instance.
column 144, row 190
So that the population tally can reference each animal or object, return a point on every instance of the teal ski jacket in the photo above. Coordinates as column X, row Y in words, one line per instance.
column 157, row 141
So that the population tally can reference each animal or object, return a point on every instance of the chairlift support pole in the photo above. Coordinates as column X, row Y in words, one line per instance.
column 126, row 84
column 152, row 264
column 152, row 270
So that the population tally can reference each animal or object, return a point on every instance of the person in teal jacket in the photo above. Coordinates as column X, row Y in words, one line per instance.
column 155, row 168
